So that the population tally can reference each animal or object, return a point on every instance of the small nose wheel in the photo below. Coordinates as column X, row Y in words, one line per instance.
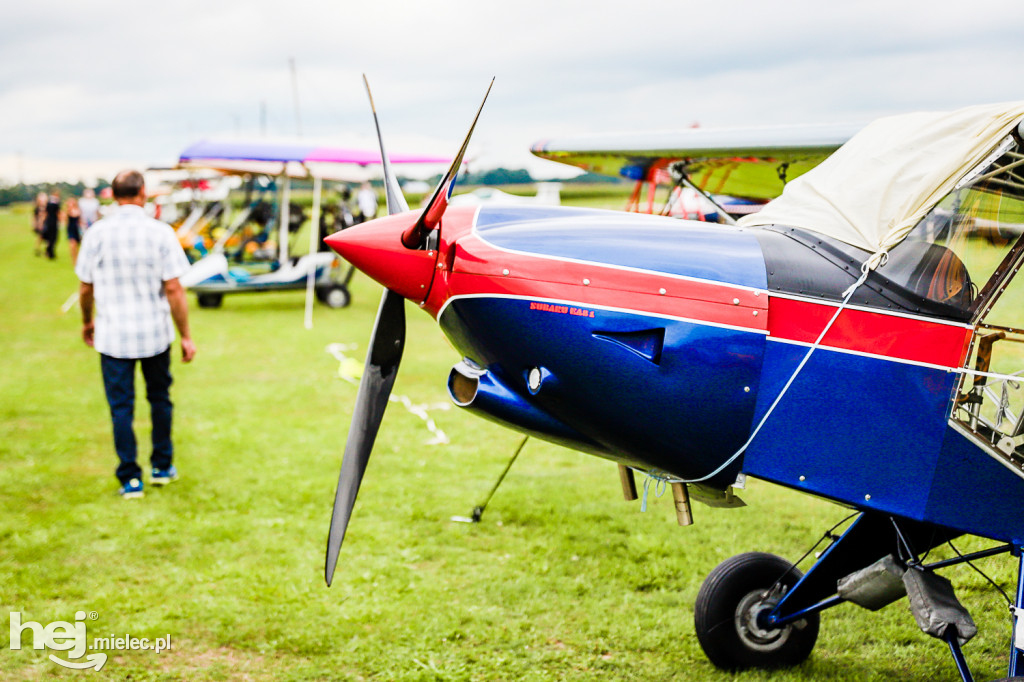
column 726, row 615
column 334, row 296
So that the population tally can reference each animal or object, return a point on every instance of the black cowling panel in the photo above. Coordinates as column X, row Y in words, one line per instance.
column 806, row 263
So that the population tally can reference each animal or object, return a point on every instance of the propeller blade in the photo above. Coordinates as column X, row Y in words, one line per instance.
column 414, row 237
column 382, row 362
column 392, row 192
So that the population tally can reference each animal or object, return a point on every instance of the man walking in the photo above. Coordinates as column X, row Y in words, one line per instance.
column 129, row 266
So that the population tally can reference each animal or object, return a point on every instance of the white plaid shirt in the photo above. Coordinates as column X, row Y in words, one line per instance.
column 127, row 257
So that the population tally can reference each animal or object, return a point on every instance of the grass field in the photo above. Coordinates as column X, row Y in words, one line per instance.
column 562, row 580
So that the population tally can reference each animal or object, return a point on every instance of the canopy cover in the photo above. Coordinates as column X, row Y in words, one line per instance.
column 875, row 188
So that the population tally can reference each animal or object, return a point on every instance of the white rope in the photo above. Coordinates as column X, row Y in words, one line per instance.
column 351, row 370
column 975, row 373
column 70, row 303
column 876, row 260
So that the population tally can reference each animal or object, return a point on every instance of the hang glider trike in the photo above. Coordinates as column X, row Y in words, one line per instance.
column 279, row 163
column 854, row 340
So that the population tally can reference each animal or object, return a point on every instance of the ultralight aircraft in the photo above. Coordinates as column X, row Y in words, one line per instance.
column 853, row 340
column 211, row 278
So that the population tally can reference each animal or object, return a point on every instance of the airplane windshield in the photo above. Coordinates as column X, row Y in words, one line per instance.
column 980, row 224
column 959, row 245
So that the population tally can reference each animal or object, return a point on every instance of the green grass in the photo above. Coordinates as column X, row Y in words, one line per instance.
column 561, row 580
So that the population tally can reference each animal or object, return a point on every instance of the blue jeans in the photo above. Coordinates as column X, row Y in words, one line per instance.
column 119, row 384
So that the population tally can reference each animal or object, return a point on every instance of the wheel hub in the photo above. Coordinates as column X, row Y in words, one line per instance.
column 753, row 635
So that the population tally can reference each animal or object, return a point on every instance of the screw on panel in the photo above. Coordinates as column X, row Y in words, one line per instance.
column 586, row 282
column 662, row 292
column 867, row 497
column 505, row 272
column 735, row 301
column 755, row 313
column 803, row 478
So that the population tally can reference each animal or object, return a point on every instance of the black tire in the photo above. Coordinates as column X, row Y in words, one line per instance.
column 210, row 300
column 726, row 608
column 334, row 296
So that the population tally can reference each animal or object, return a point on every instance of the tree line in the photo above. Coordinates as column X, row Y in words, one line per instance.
column 27, row 192
column 495, row 176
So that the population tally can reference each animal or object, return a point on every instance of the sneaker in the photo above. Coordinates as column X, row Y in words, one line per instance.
column 131, row 489
column 163, row 476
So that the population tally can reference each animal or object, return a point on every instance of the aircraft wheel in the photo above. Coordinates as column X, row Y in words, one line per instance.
column 334, row 296
column 728, row 604
column 210, row 300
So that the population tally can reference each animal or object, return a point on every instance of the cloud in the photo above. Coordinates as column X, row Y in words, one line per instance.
column 106, row 80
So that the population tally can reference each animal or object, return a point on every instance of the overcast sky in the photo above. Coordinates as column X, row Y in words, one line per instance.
column 86, row 86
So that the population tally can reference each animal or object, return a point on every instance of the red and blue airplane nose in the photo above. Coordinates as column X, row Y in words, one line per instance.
column 375, row 248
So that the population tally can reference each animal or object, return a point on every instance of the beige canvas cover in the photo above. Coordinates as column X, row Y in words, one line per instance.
column 875, row 188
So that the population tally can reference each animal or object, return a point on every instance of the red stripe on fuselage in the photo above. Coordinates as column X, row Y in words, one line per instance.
column 700, row 312
column 478, row 257
column 875, row 333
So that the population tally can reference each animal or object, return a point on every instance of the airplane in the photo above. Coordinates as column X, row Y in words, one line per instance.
column 733, row 158
column 212, row 277
column 852, row 340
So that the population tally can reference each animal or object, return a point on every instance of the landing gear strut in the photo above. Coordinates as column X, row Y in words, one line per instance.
column 758, row 611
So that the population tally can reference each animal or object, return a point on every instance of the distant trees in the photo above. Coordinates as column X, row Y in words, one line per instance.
column 21, row 192
column 520, row 176
column 494, row 176
column 500, row 176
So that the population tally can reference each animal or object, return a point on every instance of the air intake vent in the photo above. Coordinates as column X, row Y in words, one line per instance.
column 646, row 343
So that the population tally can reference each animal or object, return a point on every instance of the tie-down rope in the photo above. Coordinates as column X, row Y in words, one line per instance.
column 875, row 261
column 351, row 370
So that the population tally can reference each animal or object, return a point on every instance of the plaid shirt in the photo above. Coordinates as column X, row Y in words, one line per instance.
column 127, row 257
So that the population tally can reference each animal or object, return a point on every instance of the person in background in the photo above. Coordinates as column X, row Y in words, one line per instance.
column 38, row 218
column 366, row 200
column 129, row 267
column 51, row 223
column 90, row 207
column 345, row 217
column 73, row 218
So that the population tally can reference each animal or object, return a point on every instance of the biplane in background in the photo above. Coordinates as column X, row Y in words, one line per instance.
column 718, row 175
column 853, row 340
column 271, row 166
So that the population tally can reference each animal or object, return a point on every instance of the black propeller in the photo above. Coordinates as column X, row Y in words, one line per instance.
column 384, row 355
column 415, row 236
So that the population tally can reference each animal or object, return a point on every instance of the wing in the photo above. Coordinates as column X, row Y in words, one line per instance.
column 752, row 163
column 297, row 159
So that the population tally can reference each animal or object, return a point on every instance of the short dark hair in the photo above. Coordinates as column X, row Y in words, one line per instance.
column 127, row 184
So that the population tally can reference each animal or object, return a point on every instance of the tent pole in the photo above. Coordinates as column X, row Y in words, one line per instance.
column 282, row 229
column 314, row 246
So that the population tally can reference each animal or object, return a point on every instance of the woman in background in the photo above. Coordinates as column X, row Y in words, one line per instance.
column 37, row 221
column 73, row 215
